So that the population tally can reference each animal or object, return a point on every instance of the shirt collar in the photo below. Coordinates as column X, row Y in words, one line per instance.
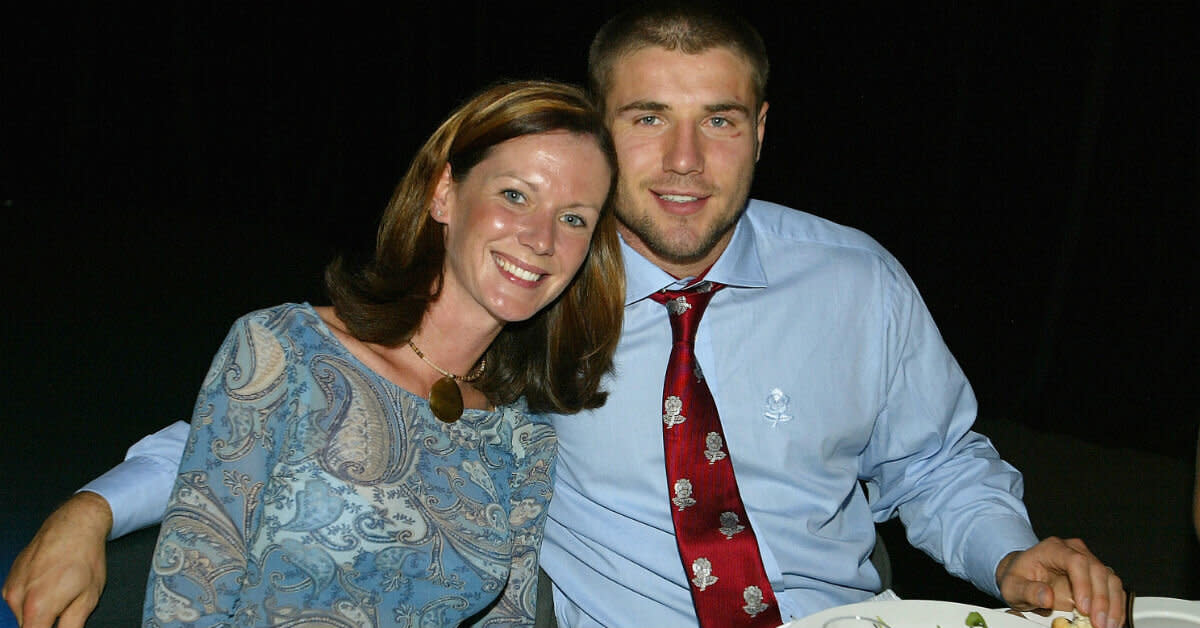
column 738, row 266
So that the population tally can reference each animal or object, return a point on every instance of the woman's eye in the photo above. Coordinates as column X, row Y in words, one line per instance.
column 574, row 220
column 513, row 196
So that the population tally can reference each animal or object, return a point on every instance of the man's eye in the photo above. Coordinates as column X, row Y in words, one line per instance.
column 719, row 122
column 513, row 196
column 646, row 120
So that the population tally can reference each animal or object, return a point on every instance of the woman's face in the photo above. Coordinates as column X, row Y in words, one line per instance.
column 518, row 227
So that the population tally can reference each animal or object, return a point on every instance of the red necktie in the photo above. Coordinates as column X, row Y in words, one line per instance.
column 716, row 543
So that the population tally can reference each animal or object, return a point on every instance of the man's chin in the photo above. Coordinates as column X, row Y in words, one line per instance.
column 678, row 244
column 681, row 254
column 683, row 249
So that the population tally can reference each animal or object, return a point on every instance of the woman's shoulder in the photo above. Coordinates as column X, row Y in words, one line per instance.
column 518, row 412
column 524, row 423
column 281, row 319
column 286, row 325
column 514, row 418
column 271, row 316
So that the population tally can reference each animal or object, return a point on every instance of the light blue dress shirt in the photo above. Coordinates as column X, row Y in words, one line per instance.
column 826, row 369
column 137, row 489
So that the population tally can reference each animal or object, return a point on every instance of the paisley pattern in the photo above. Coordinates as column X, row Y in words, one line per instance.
column 315, row 493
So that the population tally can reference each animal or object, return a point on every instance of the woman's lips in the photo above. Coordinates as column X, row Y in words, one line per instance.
column 514, row 268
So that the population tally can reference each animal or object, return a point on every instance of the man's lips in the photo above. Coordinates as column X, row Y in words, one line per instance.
column 679, row 198
column 677, row 202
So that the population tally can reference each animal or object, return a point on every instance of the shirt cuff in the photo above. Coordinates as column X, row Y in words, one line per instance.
column 991, row 542
column 137, row 489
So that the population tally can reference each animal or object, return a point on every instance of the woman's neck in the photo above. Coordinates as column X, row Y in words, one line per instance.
column 453, row 347
column 455, row 343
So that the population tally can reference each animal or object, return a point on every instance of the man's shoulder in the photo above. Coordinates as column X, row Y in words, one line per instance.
column 772, row 221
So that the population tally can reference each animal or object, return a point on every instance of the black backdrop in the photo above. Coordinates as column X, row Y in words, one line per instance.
column 168, row 169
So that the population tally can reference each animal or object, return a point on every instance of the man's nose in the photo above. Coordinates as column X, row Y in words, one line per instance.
column 684, row 154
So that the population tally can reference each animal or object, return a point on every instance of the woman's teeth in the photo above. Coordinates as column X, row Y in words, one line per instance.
column 519, row 272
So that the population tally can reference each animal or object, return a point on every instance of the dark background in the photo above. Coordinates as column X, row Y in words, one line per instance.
column 166, row 170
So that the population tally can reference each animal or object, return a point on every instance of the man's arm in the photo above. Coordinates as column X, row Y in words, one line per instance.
column 959, row 501
column 1063, row 575
column 137, row 489
column 61, row 573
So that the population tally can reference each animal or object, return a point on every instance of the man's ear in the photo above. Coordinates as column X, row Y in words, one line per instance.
column 441, row 206
column 762, row 128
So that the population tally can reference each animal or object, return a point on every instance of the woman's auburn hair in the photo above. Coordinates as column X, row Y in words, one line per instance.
column 556, row 358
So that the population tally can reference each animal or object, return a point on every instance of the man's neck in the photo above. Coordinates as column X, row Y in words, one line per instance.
column 677, row 268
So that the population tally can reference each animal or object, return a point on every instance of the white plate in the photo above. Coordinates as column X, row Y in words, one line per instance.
column 916, row 614
column 1165, row 612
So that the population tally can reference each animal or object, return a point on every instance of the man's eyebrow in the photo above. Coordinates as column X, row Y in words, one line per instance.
column 653, row 105
column 726, row 107
column 644, row 105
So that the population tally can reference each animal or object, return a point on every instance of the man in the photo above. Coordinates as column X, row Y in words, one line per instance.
column 823, row 364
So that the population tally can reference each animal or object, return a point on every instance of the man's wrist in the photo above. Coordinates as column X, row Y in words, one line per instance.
column 1002, row 569
column 90, row 512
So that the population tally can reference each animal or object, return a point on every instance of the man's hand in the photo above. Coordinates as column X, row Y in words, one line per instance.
column 1062, row 575
column 60, row 574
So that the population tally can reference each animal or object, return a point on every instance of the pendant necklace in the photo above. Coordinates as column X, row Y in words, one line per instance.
column 445, row 398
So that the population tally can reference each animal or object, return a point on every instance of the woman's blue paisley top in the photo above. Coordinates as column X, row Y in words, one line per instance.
column 313, row 492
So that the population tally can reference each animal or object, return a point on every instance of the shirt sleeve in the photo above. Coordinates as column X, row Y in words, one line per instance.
column 960, row 502
column 535, row 448
column 137, row 489
column 200, row 562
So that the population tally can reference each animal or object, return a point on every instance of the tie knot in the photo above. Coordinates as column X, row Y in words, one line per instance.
column 685, row 307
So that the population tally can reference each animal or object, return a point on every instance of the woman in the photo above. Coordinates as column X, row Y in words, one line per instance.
column 380, row 462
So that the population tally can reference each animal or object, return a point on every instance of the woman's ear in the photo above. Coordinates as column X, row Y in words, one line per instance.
column 443, row 198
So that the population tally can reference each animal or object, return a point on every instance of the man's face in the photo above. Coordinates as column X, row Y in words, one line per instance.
column 687, row 137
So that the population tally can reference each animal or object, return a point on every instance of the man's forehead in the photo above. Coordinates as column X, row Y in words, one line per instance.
column 655, row 74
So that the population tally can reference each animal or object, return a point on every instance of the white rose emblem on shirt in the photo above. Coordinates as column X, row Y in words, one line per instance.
column 776, row 407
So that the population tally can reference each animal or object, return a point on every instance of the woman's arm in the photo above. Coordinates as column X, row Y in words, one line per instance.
column 535, row 448
column 200, row 559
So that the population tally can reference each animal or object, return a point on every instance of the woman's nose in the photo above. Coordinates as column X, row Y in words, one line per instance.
column 537, row 232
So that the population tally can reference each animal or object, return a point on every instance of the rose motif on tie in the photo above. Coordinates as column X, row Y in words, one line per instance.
column 672, row 406
column 683, row 494
column 678, row 305
column 754, row 604
column 777, row 407
column 702, row 572
column 712, row 447
column 730, row 524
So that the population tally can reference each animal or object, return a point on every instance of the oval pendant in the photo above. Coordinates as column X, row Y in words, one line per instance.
column 445, row 399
